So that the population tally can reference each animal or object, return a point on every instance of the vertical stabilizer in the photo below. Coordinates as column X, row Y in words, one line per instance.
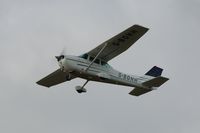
column 155, row 71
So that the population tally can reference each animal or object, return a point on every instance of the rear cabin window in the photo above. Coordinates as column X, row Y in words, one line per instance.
column 97, row 61
column 103, row 63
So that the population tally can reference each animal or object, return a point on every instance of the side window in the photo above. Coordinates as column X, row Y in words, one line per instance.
column 105, row 64
column 91, row 58
column 97, row 61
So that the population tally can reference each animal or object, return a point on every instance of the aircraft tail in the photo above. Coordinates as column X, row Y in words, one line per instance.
column 158, row 80
column 151, row 84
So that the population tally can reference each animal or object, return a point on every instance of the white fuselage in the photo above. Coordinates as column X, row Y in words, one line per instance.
column 100, row 72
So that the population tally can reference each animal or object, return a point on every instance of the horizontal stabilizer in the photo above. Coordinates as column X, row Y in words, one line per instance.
column 139, row 91
column 150, row 84
column 156, row 82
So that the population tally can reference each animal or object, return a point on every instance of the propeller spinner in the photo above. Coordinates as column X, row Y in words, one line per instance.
column 60, row 57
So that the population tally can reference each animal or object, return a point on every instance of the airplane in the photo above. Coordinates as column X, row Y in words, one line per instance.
column 93, row 66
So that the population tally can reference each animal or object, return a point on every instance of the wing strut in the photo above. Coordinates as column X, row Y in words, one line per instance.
column 81, row 89
column 96, row 56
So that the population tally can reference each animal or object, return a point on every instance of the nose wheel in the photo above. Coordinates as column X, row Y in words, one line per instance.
column 81, row 89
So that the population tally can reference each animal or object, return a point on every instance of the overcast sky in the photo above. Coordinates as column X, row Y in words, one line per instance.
column 32, row 32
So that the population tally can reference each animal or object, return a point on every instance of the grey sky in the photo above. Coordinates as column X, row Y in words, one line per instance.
column 32, row 32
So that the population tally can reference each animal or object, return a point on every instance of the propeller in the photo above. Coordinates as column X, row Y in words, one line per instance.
column 61, row 56
column 63, row 52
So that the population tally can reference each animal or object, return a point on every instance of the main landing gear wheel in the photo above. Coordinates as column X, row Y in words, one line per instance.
column 79, row 89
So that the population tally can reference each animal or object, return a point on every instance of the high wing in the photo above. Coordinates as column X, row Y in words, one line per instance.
column 54, row 78
column 119, row 43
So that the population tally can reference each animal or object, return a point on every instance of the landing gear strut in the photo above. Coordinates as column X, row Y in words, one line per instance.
column 80, row 89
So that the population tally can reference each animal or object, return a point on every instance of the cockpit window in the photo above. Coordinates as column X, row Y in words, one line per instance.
column 84, row 56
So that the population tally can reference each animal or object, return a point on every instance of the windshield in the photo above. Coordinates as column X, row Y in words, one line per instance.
column 84, row 56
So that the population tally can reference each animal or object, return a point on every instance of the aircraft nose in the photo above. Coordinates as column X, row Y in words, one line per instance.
column 60, row 57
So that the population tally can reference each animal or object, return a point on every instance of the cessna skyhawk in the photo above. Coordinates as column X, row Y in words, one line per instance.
column 93, row 66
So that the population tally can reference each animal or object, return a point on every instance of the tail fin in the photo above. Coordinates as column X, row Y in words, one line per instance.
column 155, row 71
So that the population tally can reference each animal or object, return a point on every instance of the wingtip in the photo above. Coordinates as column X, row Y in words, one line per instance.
column 142, row 27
